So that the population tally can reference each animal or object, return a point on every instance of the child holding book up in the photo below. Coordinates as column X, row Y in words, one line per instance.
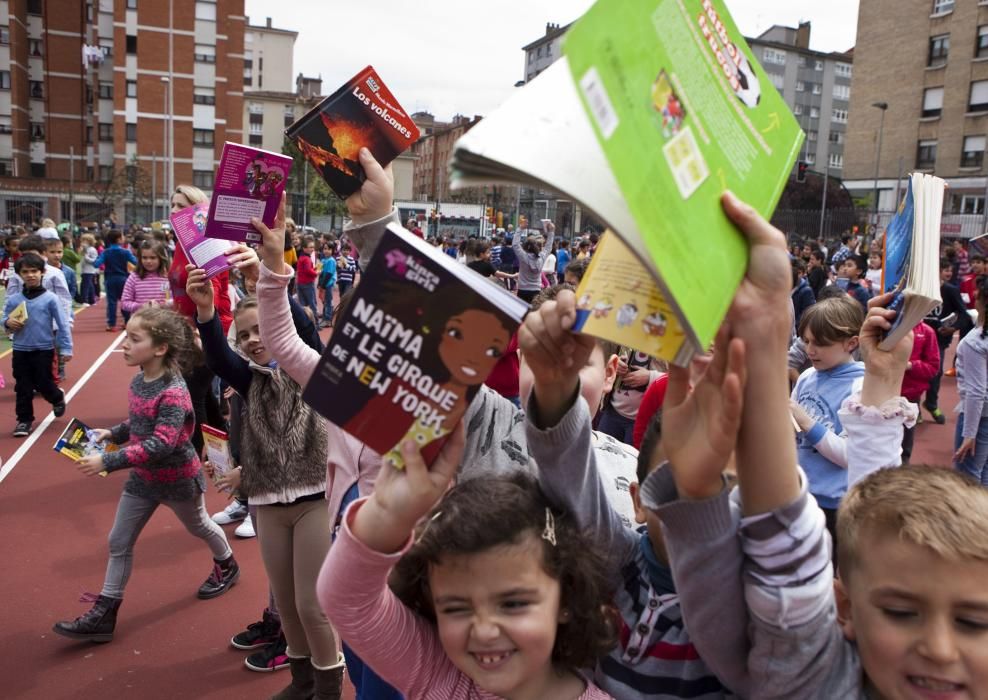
column 164, row 468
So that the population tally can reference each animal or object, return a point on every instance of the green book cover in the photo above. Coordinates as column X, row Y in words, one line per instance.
column 683, row 112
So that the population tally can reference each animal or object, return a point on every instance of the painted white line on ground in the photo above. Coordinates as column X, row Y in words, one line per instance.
column 50, row 418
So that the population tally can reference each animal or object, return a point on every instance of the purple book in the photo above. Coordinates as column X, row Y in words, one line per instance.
column 249, row 183
column 189, row 224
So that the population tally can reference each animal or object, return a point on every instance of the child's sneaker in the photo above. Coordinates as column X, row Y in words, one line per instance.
column 59, row 409
column 258, row 634
column 273, row 657
column 245, row 529
column 234, row 512
column 222, row 578
column 22, row 430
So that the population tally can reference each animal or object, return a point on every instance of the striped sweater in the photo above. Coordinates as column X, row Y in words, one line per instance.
column 137, row 292
column 655, row 657
column 155, row 442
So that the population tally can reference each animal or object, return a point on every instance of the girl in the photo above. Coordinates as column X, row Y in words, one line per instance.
column 497, row 595
column 155, row 444
column 148, row 285
column 285, row 479
column 531, row 256
column 971, row 435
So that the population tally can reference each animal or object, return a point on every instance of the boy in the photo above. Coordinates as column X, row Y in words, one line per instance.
column 53, row 279
column 562, row 259
column 830, row 331
column 969, row 282
column 306, row 276
column 33, row 346
column 816, row 273
column 802, row 295
column 53, row 253
column 655, row 658
column 115, row 259
column 854, row 268
column 327, row 280
column 952, row 304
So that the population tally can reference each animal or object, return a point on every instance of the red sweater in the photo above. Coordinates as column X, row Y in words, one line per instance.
column 177, row 277
column 925, row 361
column 504, row 377
column 305, row 270
column 655, row 396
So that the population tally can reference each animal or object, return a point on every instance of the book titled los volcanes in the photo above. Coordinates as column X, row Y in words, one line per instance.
column 361, row 113
column 417, row 341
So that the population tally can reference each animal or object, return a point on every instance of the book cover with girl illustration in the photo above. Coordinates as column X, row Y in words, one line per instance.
column 249, row 183
column 189, row 227
column 413, row 347
column 361, row 113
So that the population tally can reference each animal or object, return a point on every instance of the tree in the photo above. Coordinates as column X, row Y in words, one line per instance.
column 320, row 199
column 129, row 183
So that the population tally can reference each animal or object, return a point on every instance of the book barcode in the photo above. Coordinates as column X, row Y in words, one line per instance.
column 600, row 103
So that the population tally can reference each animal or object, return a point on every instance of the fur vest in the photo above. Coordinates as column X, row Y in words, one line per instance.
column 284, row 443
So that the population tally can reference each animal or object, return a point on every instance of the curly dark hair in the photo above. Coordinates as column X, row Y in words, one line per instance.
column 480, row 514
column 167, row 327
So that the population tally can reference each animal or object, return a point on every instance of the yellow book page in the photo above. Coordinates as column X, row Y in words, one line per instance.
column 619, row 301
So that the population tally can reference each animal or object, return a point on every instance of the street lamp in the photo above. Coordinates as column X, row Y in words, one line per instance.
column 878, row 157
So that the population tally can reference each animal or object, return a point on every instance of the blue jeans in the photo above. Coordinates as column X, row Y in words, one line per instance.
column 114, row 290
column 974, row 465
column 617, row 426
column 88, row 288
column 307, row 297
column 327, row 306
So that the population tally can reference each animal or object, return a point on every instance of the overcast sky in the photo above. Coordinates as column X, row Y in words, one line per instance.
column 450, row 56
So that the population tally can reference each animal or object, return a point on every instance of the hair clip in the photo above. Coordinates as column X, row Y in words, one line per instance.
column 549, row 533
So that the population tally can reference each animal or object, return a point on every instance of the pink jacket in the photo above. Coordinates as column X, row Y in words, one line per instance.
column 403, row 648
column 925, row 361
column 350, row 462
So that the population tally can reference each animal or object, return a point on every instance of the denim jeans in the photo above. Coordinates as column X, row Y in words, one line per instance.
column 617, row 426
column 88, row 288
column 933, row 392
column 114, row 290
column 975, row 464
column 307, row 297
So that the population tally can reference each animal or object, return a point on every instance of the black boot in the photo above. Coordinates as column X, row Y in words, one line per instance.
column 224, row 575
column 96, row 625
column 329, row 681
column 302, row 686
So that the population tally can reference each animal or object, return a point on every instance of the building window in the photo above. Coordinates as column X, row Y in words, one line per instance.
column 107, row 50
column 981, row 48
column 105, row 173
column 538, row 53
column 932, row 102
column 939, row 48
column 810, row 158
column 132, row 133
column 37, row 131
column 37, row 89
column 778, row 80
column 843, row 70
column 255, row 140
column 89, row 136
column 797, row 109
column 942, row 7
column 4, row 79
column 817, row 88
column 6, row 126
column 840, row 116
column 256, row 117
column 842, row 92
column 800, row 86
column 973, row 153
column 203, row 179
column 35, row 47
column 814, row 112
column 206, row 10
column 35, row 7
column 205, row 53
column 774, row 56
column 6, row 167
column 202, row 137
column 248, row 76
column 131, row 44
column 289, row 116
column 531, row 57
column 969, row 204
column 818, row 66
column 204, row 96
column 836, row 160
column 801, row 61
column 811, row 135
column 4, row 36
column 106, row 132
column 131, row 88
column 131, row 4
column 105, row 90
column 38, row 170
column 836, row 137
column 979, row 96
column 926, row 155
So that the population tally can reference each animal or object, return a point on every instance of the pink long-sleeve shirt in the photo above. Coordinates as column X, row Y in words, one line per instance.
column 350, row 461
column 137, row 292
column 403, row 648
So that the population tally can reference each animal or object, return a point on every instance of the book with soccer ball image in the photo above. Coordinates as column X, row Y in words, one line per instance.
column 655, row 108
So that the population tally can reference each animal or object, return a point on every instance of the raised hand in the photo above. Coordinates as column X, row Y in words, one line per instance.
column 245, row 259
column 884, row 369
column 374, row 199
column 200, row 291
column 272, row 249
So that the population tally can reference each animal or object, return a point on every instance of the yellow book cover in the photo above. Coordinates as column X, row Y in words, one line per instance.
column 217, row 444
column 19, row 313
column 619, row 301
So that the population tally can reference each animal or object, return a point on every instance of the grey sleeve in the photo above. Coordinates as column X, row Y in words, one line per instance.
column 705, row 555
column 568, row 475
column 798, row 359
column 366, row 237
column 495, row 437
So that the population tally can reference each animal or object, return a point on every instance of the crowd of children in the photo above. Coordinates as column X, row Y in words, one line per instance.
column 763, row 537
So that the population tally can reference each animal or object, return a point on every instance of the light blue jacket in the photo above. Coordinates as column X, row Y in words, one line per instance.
column 42, row 310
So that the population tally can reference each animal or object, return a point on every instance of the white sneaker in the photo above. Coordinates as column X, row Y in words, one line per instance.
column 231, row 514
column 245, row 529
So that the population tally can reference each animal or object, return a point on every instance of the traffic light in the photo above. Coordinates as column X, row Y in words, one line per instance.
column 801, row 171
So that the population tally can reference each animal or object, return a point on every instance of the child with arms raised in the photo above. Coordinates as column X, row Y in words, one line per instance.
column 501, row 596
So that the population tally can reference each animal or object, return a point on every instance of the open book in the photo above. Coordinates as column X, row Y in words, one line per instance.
column 912, row 255
column 412, row 348
column 654, row 110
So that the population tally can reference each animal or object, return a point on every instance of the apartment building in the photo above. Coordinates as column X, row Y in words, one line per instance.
column 105, row 104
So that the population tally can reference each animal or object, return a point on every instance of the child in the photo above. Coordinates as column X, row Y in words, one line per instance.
column 327, row 280
column 89, row 269
column 873, row 277
column 654, row 658
column 816, row 272
column 115, row 259
column 802, row 294
column 830, row 330
column 562, row 259
column 952, row 305
column 971, row 435
column 165, row 470
column 53, row 279
column 148, row 285
column 33, row 344
column 854, row 269
column 54, row 249
column 575, row 270
column 346, row 268
column 10, row 255
column 306, row 276
column 923, row 365
column 532, row 254
column 636, row 371
column 499, row 594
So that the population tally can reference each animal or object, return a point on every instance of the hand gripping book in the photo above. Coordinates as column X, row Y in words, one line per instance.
column 19, row 313
column 189, row 227
column 912, row 255
column 654, row 110
column 77, row 441
column 217, row 443
column 249, row 183
column 361, row 113
column 417, row 341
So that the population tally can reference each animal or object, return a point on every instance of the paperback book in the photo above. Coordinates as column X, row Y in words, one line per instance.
column 413, row 347
column 655, row 108
column 362, row 113
column 19, row 313
column 77, row 441
column 249, row 183
column 912, row 255
column 217, row 444
column 189, row 227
